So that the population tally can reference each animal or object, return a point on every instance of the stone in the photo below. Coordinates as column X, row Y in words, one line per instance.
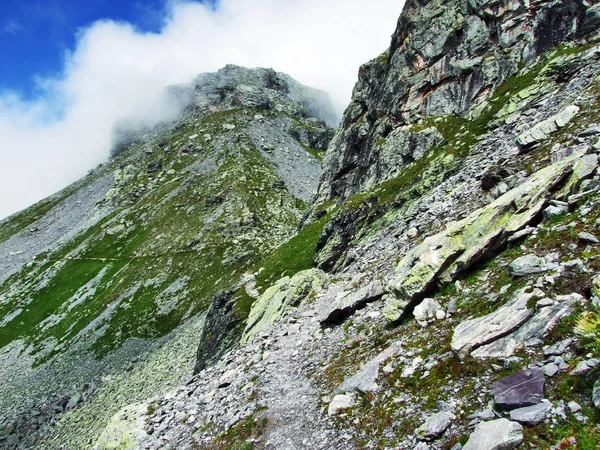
column 499, row 434
column 588, row 238
column 523, row 388
column 347, row 303
column 443, row 256
column 531, row 415
column 477, row 332
column 277, row 300
column 584, row 366
column 583, row 169
column 528, row 265
column 541, row 131
column 527, row 231
column 559, row 348
column 550, row 369
column 366, row 378
column 592, row 130
column 532, row 332
column 435, row 425
column 596, row 394
column 339, row 403
column 426, row 310
column 574, row 407
column 554, row 211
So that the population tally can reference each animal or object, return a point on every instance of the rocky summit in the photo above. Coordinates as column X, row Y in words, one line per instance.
column 425, row 277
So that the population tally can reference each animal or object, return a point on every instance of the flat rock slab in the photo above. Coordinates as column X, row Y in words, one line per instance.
column 524, row 388
column 340, row 403
column 474, row 333
column 529, row 265
column 531, row 415
column 365, row 380
column 500, row 434
column 348, row 303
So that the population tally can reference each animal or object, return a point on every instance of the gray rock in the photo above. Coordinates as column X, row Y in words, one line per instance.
column 500, row 434
column 339, row 403
column 554, row 211
column 349, row 302
column 475, row 333
column 365, row 379
column 426, row 310
column 574, row 407
column 532, row 332
column 541, row 131
column 550, row 369
column 584, row 366
column 523, row 388
column 559, row 348
column 531, row 415
column 528, row 265
column 435, row 425
column 592, row 130
column 596, row 394
column 588, row 238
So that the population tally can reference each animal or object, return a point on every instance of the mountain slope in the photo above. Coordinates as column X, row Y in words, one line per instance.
column 459, row 202
column 103, row 274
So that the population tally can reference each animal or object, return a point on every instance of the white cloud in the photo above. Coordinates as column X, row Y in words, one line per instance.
column 11, row 26
column 116, row 72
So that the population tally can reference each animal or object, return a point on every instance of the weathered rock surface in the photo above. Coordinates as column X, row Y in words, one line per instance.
column 524, row 388
column 443, row 256
column 531, row 415
column 280, row 298
column 474, row 333
column 346, row 303
column 500, row 434
column 366, row 379
column 435, row 425
column 529, row 265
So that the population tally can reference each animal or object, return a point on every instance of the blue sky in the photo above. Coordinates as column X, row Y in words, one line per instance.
column 34, row 35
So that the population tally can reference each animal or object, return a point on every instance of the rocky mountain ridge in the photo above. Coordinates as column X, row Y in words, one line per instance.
column 102, row 278
column 443, row 291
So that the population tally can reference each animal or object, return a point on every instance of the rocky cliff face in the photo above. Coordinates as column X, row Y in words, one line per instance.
column 101, row 281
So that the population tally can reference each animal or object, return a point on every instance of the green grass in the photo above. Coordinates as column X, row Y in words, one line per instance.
column 295, row 255
column 172, row 232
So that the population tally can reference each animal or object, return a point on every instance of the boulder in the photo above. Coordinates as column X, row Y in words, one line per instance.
column 524, row 388
column 596, row 394
column 541, row 131
column 477, row 332
column 500, row 434
column 347, row 303
column 366, row 378
column 277, row 300
column 426, row 310
column 531, row 415
column 588, row 238
column 435, row 425
column 529, row 265
column 442, row 257
column 532, row 332
column 554, row 211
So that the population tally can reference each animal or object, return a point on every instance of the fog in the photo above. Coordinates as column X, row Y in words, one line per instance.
column 115, row 73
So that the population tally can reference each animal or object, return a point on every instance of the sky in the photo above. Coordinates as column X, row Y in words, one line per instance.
column 72, row 69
